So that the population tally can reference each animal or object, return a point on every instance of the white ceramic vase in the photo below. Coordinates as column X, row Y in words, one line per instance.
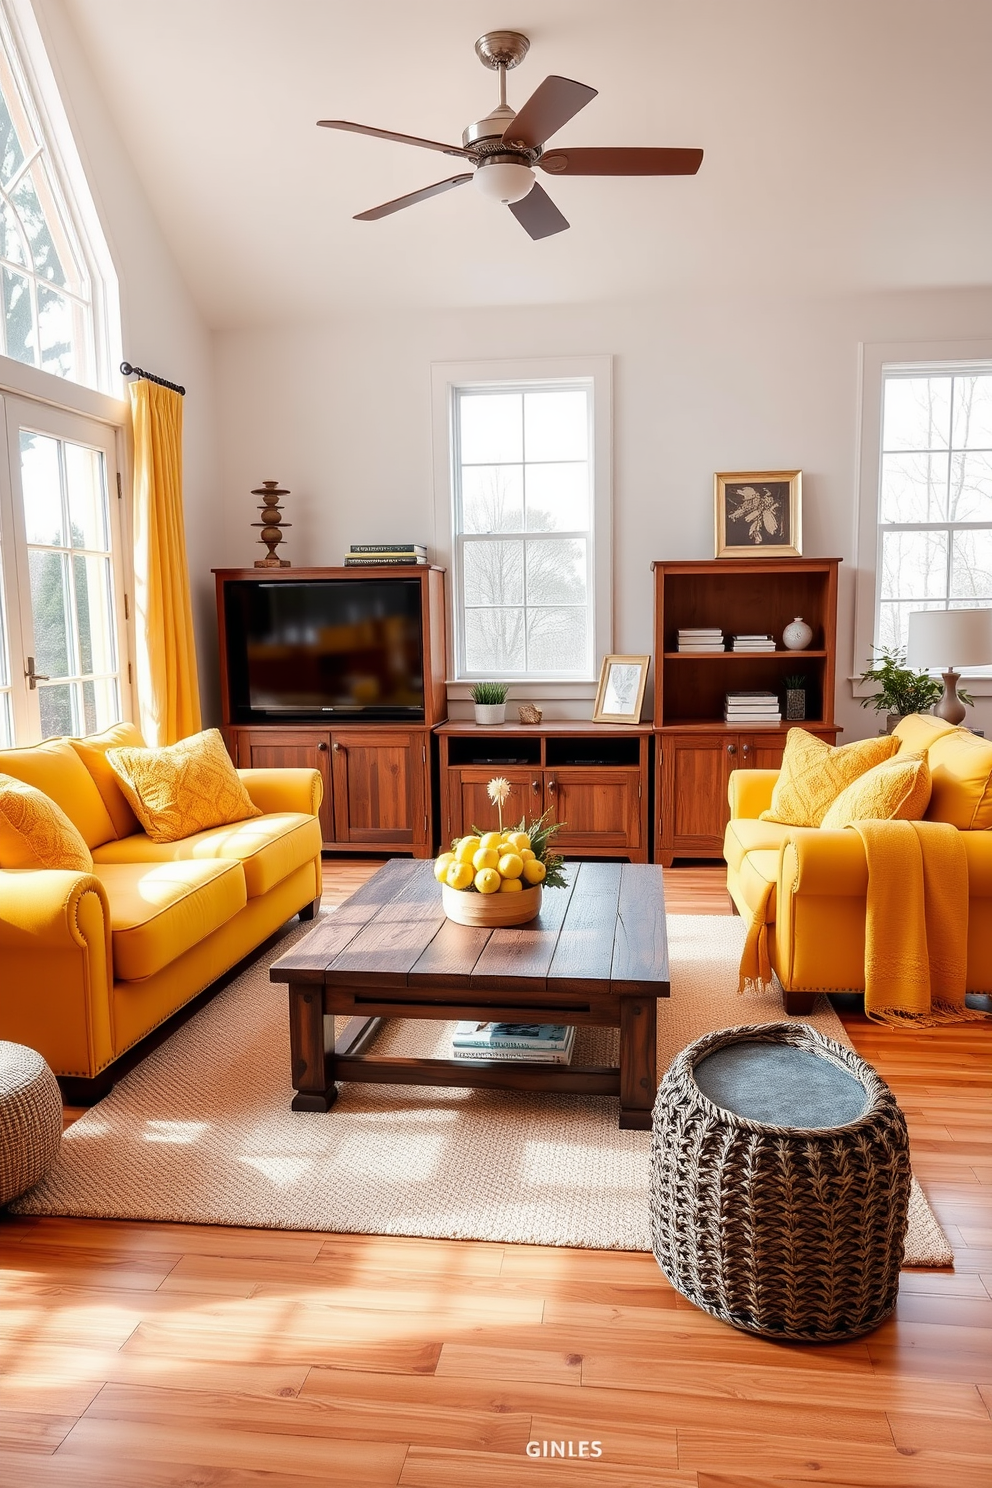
column 797, row 635
column 489, row 713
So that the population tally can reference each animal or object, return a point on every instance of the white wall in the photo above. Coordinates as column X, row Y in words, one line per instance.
column 162, row 329
column 340, row 413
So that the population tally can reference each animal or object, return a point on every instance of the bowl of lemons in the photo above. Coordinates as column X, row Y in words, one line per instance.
column 493, row 878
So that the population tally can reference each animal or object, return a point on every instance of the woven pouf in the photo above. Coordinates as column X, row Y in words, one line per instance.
column 30, row 1119
column 780, row 1183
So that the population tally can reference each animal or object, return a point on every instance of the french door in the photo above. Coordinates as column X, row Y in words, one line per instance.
column 63, row 606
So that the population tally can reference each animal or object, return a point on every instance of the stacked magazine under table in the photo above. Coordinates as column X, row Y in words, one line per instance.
column 540, row 1043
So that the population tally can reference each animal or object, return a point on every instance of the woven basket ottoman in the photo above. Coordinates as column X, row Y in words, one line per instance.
column 30, row 1119
column 780, row 1183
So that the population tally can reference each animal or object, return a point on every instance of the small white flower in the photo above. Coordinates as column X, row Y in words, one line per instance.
column 498, row 789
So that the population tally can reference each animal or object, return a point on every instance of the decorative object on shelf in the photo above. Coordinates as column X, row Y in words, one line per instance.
column 622, row 680
column 751, row 707
column 490, row 702
column 272, row 524
column 497, row 878
column 797, row 635
column 753, row 641
column 795, row 699
column 758, row 514
column 952, row 639
column 700, row 640
column 365, row 555
column 901, row 690
column 529, row 713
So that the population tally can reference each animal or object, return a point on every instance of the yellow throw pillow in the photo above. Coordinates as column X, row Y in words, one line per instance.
column 93, row 752
column 183, row 788
column 918, row 731
column 35, row 833
column 54, row 768
column 961, row 766
column 814, row 773
column 896, row 790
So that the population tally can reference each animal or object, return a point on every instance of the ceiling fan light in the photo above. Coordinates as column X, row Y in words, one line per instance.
column 504, row 180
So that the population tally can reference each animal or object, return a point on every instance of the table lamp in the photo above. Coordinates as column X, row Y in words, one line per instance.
column 951, row 639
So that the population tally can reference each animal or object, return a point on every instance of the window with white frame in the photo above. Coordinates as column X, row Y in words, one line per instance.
column 934, row 546
column 63, row 534
column 527, row 517
column 48, row 317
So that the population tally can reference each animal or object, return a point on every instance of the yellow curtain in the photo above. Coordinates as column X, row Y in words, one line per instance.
column 167, row 688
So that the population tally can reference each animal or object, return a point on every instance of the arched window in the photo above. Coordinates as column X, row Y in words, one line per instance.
column 47, row 301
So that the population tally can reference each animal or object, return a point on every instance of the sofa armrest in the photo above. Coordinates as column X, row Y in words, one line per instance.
column 750, row 792
column 284, row 790
column 826, row 863
column 55, row 992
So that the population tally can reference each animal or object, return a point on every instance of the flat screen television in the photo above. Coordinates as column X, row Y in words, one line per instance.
column 324, row 649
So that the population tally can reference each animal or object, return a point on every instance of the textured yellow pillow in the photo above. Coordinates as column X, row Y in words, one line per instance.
column 814, row 773
column 35, row 833
column 183, row 788
column 961, row 766
column 896, row 790
column 93, row 752
column 54, row 768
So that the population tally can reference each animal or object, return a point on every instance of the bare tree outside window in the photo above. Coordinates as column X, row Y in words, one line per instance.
column 935, row 504
column 524, row 531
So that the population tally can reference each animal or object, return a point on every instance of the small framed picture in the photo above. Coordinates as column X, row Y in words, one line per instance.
column 621, row 689
column 759, row 514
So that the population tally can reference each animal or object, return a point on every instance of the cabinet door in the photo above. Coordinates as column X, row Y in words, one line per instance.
column 692, row 792
column 289, row 749
column 379, row 787
column 761, row 751
column 469, row 803
column 595, row 808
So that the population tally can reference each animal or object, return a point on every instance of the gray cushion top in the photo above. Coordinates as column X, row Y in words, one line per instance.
column 780, row 1085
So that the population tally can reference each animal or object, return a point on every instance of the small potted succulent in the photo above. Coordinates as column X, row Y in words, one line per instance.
column 490, row 702
column 795, row 698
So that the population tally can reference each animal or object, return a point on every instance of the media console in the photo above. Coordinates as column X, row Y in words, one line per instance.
column 288, row 699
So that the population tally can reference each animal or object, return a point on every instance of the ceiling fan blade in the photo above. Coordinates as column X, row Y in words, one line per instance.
column 390, row 134
column 537, row 214
column 551, row 105
column 621, row 161
column 399, row 202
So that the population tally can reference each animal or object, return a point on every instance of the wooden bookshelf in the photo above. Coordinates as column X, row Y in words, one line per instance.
column 695, row 749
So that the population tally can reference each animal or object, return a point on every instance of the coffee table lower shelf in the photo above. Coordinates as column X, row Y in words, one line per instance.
column 347, row 1060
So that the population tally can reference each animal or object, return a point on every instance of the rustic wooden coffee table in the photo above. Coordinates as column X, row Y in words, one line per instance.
column 597, row 953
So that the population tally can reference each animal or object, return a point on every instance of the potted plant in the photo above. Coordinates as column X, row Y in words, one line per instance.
column 795, row 698
column 490, row 702
column 901, row 690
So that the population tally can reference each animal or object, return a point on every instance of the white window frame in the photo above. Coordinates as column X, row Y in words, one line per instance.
column 446, row 379
column 31, row 60
column 942, row 359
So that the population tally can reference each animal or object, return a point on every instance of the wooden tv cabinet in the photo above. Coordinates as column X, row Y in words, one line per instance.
column 591, row 777
column 377, row 776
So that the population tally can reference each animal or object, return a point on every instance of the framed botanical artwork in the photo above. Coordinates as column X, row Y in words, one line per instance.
column 759, row 514
column 620, row 693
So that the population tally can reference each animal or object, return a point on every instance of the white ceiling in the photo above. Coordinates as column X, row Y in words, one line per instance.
column 847, row 147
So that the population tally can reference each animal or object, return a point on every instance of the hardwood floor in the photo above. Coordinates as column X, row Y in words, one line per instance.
column 154, row 1356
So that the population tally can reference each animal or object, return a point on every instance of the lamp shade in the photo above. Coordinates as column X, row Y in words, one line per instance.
column 950, row 638
column 504, row 180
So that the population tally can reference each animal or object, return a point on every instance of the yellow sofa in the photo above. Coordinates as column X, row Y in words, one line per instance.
column 90, row 963
column 820, row 878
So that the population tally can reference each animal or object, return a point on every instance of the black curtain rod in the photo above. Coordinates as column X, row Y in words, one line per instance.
column 130, row 371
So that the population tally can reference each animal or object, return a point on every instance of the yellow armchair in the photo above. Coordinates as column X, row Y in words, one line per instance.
column 814, row 881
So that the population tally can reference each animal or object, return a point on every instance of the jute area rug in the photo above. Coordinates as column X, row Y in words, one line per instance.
column 202, row 1131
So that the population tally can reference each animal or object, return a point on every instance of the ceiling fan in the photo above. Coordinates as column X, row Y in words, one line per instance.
column 505, row 146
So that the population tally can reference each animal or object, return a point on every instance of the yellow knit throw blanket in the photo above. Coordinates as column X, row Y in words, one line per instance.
column 916, row 925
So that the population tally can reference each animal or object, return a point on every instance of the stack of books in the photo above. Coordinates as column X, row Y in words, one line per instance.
column 700, row 640
column 752, row 707
column 362, row 554
column 537, row 1043
column 753, row 643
